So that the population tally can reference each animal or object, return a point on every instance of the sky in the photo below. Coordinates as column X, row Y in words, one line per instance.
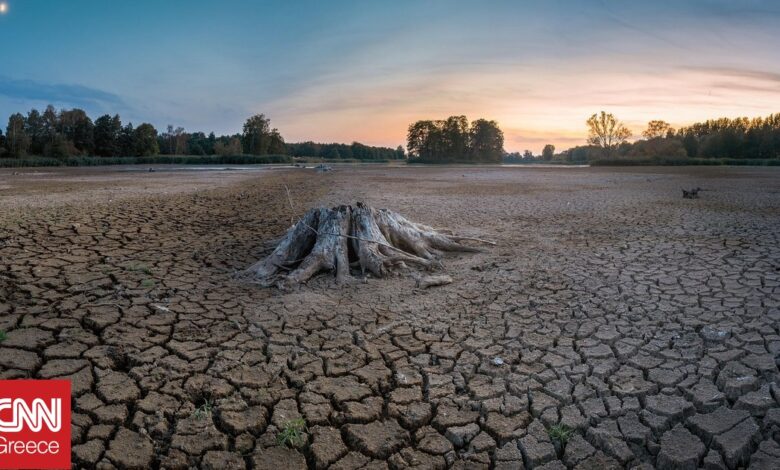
column 343, row 71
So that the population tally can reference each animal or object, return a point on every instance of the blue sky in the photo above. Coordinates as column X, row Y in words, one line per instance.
column 363, row 70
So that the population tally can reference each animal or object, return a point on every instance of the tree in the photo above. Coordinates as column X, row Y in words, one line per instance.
column 486, row 141
column 656, row 129
column 332, row 152
column 198, row 144
column 453, row 140
column 106, row 135
column 17, row 140
column 420, row 139
column 548, row 152
column 606, row 132
column 584, row 153
column 77, row 130
column 126, row 140
column 228, row 146
column 276, row 144
column 528, row 155
column 658, row 147
column 145, row 140
column 174, row 141
column 399, row 153
column 455, row 135
column 35, row 130
column 257, row 135
column 50, row 124
column 60, row 147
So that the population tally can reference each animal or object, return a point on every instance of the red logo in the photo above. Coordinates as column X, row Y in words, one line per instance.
column 34, row 424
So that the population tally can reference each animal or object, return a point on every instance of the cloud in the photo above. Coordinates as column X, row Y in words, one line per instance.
column 734, row 72
column 60, row 94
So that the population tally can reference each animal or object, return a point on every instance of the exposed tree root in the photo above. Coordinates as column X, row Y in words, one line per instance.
column 375, row 241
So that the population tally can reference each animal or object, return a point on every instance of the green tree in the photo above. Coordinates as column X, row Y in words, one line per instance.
column 606, row 132
column 227, row 146
column 106, row 135
column 420, row 139
column 486, row 141
column 126, row 140
column 197, row 143
column 257, row 135
column 77, row 129
column 17, row 140
column 276, row 144
column 145, row 140
column 548, row 152
column 455, row 136
column 35, row 130
column 50, row 125
column 658, row 147
column 60, row 147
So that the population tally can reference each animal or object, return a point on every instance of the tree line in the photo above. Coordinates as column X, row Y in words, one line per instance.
column 72, row 133
column 455, row 140
column 356, row 150
column 724, row 138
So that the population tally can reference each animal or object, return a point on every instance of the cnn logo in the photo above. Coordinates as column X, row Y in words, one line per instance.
column 34, row 417
column 34, row 424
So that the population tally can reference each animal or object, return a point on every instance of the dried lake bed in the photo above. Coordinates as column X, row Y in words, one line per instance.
column 614, row 325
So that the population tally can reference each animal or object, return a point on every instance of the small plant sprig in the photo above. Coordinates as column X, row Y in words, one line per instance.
column 2, row 336
column 204, row 410
column 293, row 433
column 141, row 268
column 560, row 433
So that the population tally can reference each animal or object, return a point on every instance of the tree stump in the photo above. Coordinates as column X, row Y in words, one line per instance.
column 338, row 240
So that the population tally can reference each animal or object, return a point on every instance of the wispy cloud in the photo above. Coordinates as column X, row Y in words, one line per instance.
column 735, row 72
column 60, row 94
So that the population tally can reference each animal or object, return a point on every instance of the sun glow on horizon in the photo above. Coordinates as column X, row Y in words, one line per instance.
column 532, row 109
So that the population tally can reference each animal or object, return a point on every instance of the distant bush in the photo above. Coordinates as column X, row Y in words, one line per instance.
column 436, row 161
column 683, row 161
column 29, row 161
column 513, row 161
column 149, row 160
column 339, row 160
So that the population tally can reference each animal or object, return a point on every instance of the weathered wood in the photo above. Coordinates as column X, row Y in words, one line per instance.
column 330, row 250
column 293, row 248
column 381, row 242
column 432, row 281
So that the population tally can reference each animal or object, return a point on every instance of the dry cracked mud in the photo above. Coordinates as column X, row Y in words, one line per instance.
column 641, row 326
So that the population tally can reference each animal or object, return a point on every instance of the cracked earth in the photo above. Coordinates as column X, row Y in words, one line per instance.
column 642, row 326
